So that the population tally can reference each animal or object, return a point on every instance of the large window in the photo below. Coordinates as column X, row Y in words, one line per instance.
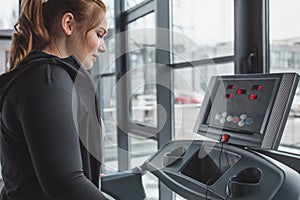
column 285, row 57
column 4, row 54
column 9, row 13
column 202, row 29
column 201, row 45
column 131, row 3
column 190, row 85
column 104, row 72
column 108, row 105
column 142, row 73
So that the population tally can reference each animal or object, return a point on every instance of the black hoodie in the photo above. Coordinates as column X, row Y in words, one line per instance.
column 50, row 131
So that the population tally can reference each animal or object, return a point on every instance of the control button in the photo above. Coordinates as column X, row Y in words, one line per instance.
column 229, row 96
column 222, row 121
column 243, row 116
column 241, row 123
column 252, row 96
column 218, row 116
column 224, row 114
column 257, row 87
column 229, row 118
column 231, row 87
column 235, row 119
column 241, row 91
column 249, row 121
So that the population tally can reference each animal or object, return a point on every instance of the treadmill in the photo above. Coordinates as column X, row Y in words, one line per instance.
column 242, row 116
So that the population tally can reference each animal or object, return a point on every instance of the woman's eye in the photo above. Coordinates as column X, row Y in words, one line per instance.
column 99, row 35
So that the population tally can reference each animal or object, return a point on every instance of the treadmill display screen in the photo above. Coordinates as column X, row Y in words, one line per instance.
column 241, row 105
column 251, row 110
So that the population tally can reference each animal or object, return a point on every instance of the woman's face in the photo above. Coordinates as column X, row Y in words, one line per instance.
column 87, row 46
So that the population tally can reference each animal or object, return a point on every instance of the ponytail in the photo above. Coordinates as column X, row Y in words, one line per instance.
column 30, row 32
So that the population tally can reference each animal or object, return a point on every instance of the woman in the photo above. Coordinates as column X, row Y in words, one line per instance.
column 50, row 126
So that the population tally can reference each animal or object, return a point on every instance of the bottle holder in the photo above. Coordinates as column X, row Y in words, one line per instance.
column 244, row 182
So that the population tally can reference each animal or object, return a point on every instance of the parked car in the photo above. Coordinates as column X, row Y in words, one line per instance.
column 188, row 97
column 181, row 97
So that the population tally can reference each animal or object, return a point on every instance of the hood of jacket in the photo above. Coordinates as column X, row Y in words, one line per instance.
column 35, row 59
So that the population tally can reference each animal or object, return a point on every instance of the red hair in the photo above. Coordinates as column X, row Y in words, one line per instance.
column 38, row 21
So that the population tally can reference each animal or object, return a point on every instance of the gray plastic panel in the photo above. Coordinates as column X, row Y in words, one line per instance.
column 268, row 111
column 280, row 111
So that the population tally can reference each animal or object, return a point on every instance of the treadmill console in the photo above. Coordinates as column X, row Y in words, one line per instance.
column 251, row 109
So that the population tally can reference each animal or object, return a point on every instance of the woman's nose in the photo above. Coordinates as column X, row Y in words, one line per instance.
column 102, row 48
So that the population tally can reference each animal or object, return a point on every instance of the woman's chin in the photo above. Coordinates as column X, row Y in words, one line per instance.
column 88, row 65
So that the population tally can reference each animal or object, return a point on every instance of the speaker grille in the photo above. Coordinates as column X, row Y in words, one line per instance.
column 276, row 123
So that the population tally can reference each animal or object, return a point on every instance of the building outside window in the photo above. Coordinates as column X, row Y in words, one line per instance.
column 9, row 14
column 201, row 30
column 285, row 57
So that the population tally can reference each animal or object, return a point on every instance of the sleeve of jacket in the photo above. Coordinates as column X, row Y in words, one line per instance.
column 46, row 116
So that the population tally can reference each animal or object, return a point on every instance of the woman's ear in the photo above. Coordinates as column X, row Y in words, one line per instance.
column 68, row 23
